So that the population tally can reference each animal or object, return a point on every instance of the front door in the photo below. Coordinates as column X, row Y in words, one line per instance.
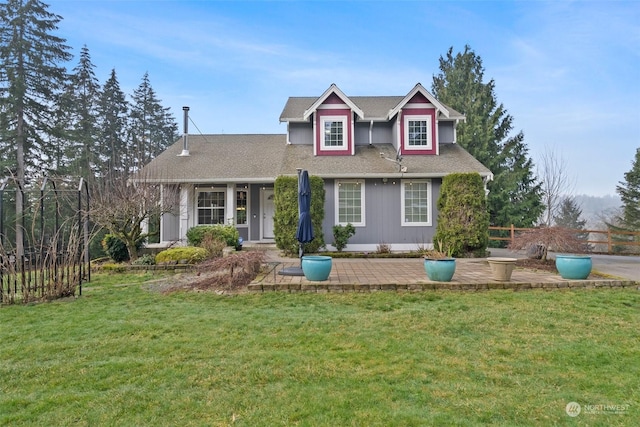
column 268, row 210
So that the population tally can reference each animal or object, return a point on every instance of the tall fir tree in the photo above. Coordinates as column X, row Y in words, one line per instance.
column 153, row 127
column 570, row 215
column 514, row 196
column 31, row 79
column 113, row 119
column 82, row 97
column 629, row 192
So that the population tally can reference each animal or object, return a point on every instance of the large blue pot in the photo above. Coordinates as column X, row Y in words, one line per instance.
column 440, row 270
column 316, row 267
column 574, row 267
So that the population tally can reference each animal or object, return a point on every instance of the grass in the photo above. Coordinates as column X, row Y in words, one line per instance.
column 124, row 354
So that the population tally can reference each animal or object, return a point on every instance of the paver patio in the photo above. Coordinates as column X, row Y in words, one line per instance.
column 371, row 274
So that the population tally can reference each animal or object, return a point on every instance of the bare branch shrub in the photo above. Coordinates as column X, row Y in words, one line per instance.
column 123, row 206
column 230, row 273
column 539, row 241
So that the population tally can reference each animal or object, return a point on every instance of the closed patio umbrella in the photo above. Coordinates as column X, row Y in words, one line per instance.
column 304, row 232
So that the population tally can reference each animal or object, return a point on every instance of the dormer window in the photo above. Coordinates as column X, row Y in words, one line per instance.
column 417, row 132
column 333, row 132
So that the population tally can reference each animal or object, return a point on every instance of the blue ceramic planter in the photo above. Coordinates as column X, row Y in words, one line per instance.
column 316, row 267
column 440, row 270
column 573, row 267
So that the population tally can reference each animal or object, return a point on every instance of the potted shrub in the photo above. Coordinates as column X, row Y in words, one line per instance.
column 439, row 264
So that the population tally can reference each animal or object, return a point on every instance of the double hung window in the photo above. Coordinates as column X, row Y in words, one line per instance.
column 416, row 203
column 333, row 132
column 211, row 207
column 417, row 133
column 350, row 203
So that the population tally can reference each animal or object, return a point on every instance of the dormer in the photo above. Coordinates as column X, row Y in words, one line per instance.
column 335, row 124
column 333, row 115
column 416, row 129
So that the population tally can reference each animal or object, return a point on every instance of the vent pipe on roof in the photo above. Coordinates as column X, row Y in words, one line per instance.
column 185, row 143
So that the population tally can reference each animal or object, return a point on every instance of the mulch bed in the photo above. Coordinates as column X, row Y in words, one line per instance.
column 537, row 264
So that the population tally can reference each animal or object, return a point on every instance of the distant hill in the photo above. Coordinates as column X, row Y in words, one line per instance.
column 595, row 207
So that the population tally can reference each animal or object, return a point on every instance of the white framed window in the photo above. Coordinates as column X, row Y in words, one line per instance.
column 211, row 207
column 333, row 132
column 241, row 206
column 417, row 133
column 416, row 202
column 350, row 203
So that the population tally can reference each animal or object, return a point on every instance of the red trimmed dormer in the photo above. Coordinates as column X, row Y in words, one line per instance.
column 333, row 128
column 418, row 127
column 333, row 123
column 417, row 122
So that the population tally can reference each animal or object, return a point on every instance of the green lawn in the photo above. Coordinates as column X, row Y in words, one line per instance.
column 123, row 354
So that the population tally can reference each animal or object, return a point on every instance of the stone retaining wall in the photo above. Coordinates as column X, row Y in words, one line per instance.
column 433, row 286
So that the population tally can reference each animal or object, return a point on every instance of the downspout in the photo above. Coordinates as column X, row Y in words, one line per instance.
column 370, row 133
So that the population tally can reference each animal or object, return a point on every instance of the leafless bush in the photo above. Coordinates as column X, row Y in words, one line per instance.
column 213, row 246
column 229, row 273
column 383, row 248
column 543, row 239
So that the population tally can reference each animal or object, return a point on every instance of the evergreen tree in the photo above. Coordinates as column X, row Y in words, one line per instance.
column 514, row 196
column 153, row 127
column 30, row 82
column 629, row 192
column 463, row 220
column 81, row 102
column 113, row 114
column 520, row 198
column 569, row 215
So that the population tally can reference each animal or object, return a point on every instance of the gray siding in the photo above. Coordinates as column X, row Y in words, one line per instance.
column 254, row 211
column 170, row 222
column 301, row 133
column 383, row 215
column 445, row 131
column 381, row 133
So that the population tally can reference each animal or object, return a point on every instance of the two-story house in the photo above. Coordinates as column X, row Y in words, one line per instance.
column 382, row 159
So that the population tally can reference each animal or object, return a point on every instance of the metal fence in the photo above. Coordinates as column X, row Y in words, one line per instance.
column 44, row 251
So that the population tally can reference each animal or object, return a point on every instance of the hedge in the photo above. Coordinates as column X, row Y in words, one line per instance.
column 285, row 222
column 463, row 218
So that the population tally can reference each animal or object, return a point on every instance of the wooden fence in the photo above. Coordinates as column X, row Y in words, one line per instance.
column 609, row 241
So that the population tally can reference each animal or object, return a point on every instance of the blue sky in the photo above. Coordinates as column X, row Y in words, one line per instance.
column 567, row 71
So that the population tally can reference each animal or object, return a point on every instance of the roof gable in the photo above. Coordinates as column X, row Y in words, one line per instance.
column 329, row 95
column 376, row 108
column 417, row 90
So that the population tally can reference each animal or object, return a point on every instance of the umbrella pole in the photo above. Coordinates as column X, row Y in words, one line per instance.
column 301, row 248
column 296, row 271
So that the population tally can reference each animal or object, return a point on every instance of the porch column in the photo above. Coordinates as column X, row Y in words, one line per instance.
column 184, row 212
column 230, row 204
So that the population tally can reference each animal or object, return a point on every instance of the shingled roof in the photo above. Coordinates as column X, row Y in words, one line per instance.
column 375, row 108
column 262, row 158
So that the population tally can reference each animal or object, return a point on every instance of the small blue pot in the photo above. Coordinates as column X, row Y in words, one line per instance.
column 574, row 267
column 316, row 267
column 440, row 270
